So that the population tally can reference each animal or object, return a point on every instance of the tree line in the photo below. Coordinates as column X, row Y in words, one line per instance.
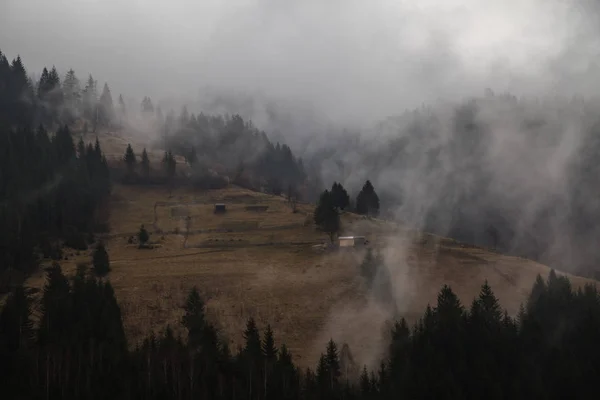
column 78, row 349
column 331, row 202
column 53, row 102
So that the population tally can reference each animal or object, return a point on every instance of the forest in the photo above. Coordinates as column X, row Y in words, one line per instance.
column 53, row 193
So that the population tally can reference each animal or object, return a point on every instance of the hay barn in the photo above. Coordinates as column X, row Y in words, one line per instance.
column 352, row 241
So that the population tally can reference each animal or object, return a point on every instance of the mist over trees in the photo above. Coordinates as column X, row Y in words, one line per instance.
column 496, row 171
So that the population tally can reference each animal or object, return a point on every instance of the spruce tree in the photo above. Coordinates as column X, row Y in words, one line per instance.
column 16, row 327
column 56, row 308
column 339, row 196
column 268, row 345
column 81, row 149
column 145, row 164
column 143, row 236
column 121, row 112
column 100, row 260
column 367, row 201
column 130, row 159
column 194, row 318
column 106, row 111
column 72, row 93
column 333, row 364
column 326, row 216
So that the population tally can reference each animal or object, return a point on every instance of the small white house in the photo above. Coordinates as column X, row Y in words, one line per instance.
column 352, row 241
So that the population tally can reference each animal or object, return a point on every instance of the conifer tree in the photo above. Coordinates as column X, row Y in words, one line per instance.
column 100, row 260
column 333, row 364
column 143, row 236
column 106, row 111
column 16, row 327
column 340, row 197
column 194, row 319
column 55, row 306
column 268, row 345
column 130, row 159
column 147, row 106
column 72, row 94
column 367, row 201
column 90, row 100
column 184, row 117
column 170, row 166
column 145, row 164
column 81, row 149
column 122, row 112
column 326, row 216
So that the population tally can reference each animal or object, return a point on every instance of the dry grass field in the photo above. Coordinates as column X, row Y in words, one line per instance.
column 265, row 264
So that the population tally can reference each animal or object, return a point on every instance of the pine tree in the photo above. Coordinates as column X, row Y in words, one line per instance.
column 194, row 318
column 147, row 106
column 340, row 197
column 130, row 159
column 64, row 148
column 16, row 327
column 170, row 166
column 333, row 364
column 269, row 352
column 184, row 117
column 253, row 344
column 72, row 93
column 489, row 304
column 80, row 149
column 326, row 216
column 268, row 345
column 145, row 164
column 100, row 260
column 367, row 201
column 90, row 100
column 143, row 236
column 106, row 111
column 122, row 112
column 56, row 307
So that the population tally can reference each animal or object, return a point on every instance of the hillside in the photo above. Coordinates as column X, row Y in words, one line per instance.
column 267, row 265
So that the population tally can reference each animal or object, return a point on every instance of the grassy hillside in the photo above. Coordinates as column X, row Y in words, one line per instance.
column 268, row 265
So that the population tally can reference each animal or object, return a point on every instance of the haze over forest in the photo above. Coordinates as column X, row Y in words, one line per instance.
column 348, row 62
column 337, row 82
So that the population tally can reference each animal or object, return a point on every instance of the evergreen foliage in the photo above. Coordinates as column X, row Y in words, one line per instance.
column 100, row 260
column 130, row 159
column 145, row 162
column 340, row 197
column 367, row 201
column 143, row 236
column 326, row 216
column 79, row 351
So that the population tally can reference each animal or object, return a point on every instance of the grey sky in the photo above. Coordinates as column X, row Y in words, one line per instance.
column 347, row 57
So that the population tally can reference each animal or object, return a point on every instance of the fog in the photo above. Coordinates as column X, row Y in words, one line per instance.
column 350, row 60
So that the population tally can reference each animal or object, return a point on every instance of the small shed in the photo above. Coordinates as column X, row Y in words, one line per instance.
column 352, row 241
column 220, row 208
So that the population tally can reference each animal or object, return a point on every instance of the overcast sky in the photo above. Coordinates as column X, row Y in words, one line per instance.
column 347, row 57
